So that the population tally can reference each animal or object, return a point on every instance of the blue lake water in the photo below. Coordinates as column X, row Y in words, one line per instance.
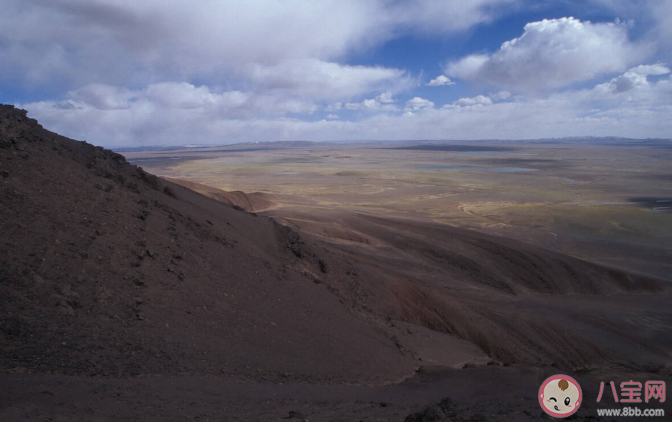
column 509, row 169
column 435, row 167
column 448, row 167
column 142, row 160
column 490, row 153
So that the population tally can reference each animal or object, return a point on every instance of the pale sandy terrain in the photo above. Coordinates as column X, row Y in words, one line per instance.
column 605, row 202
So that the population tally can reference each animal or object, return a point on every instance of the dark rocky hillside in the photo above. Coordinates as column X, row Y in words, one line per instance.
column 108, row 270
column 141, row 298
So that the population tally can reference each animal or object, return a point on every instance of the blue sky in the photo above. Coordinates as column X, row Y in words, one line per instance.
column 127, row 73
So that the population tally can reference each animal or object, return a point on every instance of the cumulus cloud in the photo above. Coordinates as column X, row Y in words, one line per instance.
column 183, row 96
column 552, row 53
column 501, row 95
column 385, row 98
column 108, row 41
column 186, row 95
column 533, row 118
column 366, row 105
column 651, row 69
column 334, row 107
column 474, row 101
column 441, row 80
column 654, row 19
column 119, row 42
column 642, row 111
column 634, row 85
column 417, row 103
column 319, row 79
column 382, row 102
column 123, row 72
column 104, row 97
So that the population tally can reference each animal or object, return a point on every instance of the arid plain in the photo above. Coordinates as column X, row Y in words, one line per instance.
column 607, row 201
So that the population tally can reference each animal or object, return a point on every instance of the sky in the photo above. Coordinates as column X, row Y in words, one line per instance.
column 128, row 73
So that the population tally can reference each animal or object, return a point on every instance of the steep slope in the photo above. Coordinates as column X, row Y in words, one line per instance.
column 255, row 201
column 518, row 303
column 105, row 269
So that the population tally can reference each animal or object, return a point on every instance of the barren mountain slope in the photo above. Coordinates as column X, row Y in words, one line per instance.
column 106, row 269
column 255, row 201
column 516, row 302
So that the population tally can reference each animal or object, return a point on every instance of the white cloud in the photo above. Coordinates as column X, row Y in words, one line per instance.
column 385, row 98
column 124, row 72
column 473, row 101
column 651, row 69
column 334, row 107
column 501, row 95
column 383, row 102
column 104, row 97
column 642, row 111
column 634, row 86
column 184, row 96
column 440, row 16
column 553, row 53
column 417, row 103
column 319, row 79
column 366, row 105
column 116, row 41
column 653, row 17
column 72, row 43
column 441, row 80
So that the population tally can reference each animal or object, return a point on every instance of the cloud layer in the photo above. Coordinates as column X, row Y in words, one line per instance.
column 128, row 73
column 125, row 42
column 629, row 105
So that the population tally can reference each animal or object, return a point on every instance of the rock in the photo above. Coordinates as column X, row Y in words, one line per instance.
column 430, row 414
column 64, row 306
column 295, row 415
column 169, row 191
column 448, row 405
column 101, row 293
column 442, row 411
